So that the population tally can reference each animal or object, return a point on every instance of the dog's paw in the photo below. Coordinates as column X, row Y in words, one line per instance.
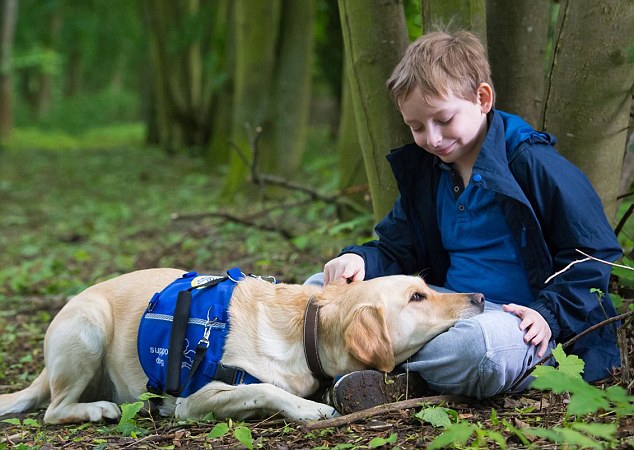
column 82, row 412
column 319, row 413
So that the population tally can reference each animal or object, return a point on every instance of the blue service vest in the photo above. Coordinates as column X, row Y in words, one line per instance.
column 208, row 321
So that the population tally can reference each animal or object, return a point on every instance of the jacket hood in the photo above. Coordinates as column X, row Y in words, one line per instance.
column 517, row 131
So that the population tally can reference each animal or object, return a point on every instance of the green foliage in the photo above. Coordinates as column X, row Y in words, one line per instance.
column 436, row 416
column 127, row 425
column 240, row 432
column 83, row 112
column 584, row 398
column 380, row 442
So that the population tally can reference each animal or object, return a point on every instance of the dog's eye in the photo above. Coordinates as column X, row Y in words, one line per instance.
column 417, row 297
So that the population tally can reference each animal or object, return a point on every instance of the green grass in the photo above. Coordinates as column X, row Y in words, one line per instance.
column 77, row 209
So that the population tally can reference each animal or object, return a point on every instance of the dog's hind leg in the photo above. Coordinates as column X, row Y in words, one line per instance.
column 250, row 400
column 33, row 397
column 74, row 350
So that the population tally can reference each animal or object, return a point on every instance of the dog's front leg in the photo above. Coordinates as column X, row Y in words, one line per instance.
column 249, row 400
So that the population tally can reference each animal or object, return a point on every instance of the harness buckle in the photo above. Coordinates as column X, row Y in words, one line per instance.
column 204, row 341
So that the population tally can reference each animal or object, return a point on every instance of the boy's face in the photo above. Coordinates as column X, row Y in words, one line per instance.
column 451, row 128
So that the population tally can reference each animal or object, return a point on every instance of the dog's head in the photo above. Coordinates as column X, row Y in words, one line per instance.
column 388, row 319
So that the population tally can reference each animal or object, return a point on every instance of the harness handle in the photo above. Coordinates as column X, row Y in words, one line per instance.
column 177, row 341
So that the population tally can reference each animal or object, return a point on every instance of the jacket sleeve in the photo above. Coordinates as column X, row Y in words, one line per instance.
column 572, row 217
column 394, row 251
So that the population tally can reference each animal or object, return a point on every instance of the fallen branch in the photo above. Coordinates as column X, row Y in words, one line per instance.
column 250, row 223
column 381, row 409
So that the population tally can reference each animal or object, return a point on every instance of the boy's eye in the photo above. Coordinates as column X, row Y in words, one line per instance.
column 445, row 121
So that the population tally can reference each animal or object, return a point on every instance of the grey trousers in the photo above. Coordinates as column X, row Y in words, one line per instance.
column 479, row 357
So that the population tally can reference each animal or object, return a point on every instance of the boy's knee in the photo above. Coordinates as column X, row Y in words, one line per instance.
column 479, row 357
column 316, row 279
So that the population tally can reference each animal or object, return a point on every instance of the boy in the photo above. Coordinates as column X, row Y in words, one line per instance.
column 486, row 205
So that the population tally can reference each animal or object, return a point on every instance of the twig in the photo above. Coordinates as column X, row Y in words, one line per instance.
column 381, row 409
column 587, row 258
column 585, row 332
column 624, row 219
column 258, row 226
column 255, row 215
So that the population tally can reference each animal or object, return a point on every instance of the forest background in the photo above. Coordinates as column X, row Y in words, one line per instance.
column 206, row 134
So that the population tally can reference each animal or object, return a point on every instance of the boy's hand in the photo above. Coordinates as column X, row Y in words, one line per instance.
column 348, row 266
column 538, row 332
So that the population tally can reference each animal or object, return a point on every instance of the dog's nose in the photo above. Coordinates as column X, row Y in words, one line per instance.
column 476, row 299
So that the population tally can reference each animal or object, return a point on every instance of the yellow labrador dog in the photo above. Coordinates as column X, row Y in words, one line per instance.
column 91, row 359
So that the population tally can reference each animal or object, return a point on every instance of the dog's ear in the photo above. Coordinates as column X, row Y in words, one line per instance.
column 367, row 338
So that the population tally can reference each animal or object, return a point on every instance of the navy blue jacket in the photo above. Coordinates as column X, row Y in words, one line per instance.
column 551, row 208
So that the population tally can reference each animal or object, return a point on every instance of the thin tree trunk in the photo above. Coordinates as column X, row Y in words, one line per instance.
column 291, row 103
column 517, row 33
column 375, row 38
column 9, row 18
column 590, row 89
column 351, row 169
column 455, row 15
column 257, row 27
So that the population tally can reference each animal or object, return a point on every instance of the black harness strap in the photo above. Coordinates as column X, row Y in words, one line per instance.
column 173, row 384
column 177, row 342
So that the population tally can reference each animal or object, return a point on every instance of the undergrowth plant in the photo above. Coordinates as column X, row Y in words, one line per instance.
column 578, row 429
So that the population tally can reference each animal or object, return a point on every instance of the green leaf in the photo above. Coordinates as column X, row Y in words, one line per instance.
column 243, row 434
column 12, row 421
column 148, row 396
column 497, row 438
column 565, row 436
column 127, row 425
column 587, row 401
column 380, row 442
column 605, row 431
column 571, row 365
column 219, row 430
column 457, row 433
column 31, row 422
column 435, row 415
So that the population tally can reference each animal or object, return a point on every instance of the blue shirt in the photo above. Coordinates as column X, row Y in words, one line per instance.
column 483, row 253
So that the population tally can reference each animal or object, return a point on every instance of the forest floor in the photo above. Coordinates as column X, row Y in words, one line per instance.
column 73, row 217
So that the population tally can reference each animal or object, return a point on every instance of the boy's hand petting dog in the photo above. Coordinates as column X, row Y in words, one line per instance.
column 538, row 332
column 348, row 267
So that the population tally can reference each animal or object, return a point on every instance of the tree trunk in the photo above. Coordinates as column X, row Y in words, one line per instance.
column 375, row 38
column 256, row 27
column 517, row 34
column 9, row 18
column 590, row 89
column 291, row 98
column 455, row 15
column 224, row 51
column 352, row 176
column 179, row 35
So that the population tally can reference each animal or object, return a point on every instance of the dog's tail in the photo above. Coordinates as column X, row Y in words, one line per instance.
column 36, row 396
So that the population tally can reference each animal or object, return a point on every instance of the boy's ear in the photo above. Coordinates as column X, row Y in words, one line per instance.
column 485, row 97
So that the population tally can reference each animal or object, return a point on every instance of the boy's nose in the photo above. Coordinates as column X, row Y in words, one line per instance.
column 433, row 139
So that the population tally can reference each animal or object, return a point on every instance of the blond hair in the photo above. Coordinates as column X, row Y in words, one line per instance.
column 439, row 64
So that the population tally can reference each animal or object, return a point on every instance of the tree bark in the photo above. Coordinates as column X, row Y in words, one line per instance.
column 9, row 18
column 351, row 169
column 375, row 38
column 256, row 27
column 291, row 102
column 455, row 15
column 517, row 33
column 590, row 89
